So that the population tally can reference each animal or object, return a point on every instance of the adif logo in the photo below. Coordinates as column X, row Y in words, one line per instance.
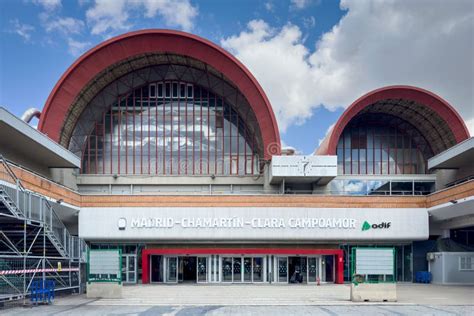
column 122, row 223
column 367, row 226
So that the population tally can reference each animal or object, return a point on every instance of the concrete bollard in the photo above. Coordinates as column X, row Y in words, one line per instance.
column 104, row 290
column 374, row 292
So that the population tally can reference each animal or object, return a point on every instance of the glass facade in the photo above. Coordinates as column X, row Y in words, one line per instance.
column 374, row 150
column 238, row 269
column 380, row 187
column 170, row 128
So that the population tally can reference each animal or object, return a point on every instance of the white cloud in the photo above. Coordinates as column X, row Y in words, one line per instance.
column 51, row 21
column 377, row 43
column 76, row 48
column 113, row 15
column 269, row 6
column 66, row 25
column 299, row 4
column 48, row 5
column 470, row 125
column 278, row 59
column 284, row 145
column 23, row 30
column 108, row 15
column 320, row 141
column 177, row 13
column 309, row 22
column 423, row 43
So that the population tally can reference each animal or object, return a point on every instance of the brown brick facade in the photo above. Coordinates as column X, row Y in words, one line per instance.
column 457, row 192
column 48, row 188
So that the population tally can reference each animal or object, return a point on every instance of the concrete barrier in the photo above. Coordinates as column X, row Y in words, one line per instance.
column 104, row 290
column 374, row 292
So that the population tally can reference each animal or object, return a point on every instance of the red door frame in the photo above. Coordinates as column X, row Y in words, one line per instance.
column 338, row 254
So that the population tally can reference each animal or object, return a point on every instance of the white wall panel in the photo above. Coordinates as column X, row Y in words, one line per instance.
column 257, row 223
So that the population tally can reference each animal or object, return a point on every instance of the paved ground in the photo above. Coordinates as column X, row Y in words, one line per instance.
column 413, row 299
column 249, row 310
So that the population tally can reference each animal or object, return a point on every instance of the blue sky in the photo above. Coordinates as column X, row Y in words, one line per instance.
column 312, row 57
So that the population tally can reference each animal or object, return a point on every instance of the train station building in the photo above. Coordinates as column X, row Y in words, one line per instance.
column 164, row 145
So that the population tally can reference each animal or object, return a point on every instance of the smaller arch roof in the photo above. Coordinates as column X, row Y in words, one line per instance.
column 434, row 117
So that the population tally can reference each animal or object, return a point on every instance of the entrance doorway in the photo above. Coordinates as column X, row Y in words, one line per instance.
column 129, row 268
column 187, row 269
column 180, row 269
column 314, row 269
column 156, row 270
column 202, row 269
column 243, row 269
column 171, row 267
column 297, row 269
column 282, row 269
column 250, row 265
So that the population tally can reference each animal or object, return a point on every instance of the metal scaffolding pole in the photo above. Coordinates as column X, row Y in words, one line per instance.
column 23, row 219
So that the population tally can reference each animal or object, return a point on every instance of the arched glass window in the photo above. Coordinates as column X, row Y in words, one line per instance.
column 170, row 128
column 366, row 148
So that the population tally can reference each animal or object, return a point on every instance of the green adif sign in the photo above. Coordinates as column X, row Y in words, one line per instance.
column 383, row 225
column 365, row 226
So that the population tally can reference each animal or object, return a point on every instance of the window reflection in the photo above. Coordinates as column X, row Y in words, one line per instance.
column 171, row 128
column 380, row 187
column 355, row 187
column 378, row 150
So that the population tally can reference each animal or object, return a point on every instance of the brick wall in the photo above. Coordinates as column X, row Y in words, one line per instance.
column 253, row 201
column 48, row 188
column 456, row 192
column 45, row 187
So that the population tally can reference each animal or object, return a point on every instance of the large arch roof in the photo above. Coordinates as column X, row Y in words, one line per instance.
column 56, row 114
column 435, row 119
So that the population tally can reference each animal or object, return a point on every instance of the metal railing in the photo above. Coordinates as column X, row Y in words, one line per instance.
column 209, row 191
column 459, row 181
column 35, row 207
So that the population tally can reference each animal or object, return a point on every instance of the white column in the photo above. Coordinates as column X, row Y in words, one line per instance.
column 209, row 268
column 264, row 270
column 219, row 272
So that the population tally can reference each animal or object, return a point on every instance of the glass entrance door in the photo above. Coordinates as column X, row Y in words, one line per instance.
column 282, row 269
column 201, row 269
column 129, row 268
column 227, row 269
column 247, row 269
column 237, row 269
column 314, row 269
column 257, row 269
column 172, row 269
column 243, row 269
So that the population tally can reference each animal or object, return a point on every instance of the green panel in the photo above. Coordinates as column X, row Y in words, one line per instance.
column 107, row 278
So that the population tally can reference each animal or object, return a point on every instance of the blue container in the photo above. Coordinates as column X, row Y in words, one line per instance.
column 42, row 292
column 423, row 277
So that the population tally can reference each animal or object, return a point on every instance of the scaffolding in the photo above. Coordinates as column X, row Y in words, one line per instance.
column 34, row 243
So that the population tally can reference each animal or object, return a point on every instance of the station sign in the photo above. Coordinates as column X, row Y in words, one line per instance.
column 257, row 223
column 236, row 222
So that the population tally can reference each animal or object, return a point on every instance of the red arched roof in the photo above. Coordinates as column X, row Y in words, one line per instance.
column 99, row 58
column 420, row 96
